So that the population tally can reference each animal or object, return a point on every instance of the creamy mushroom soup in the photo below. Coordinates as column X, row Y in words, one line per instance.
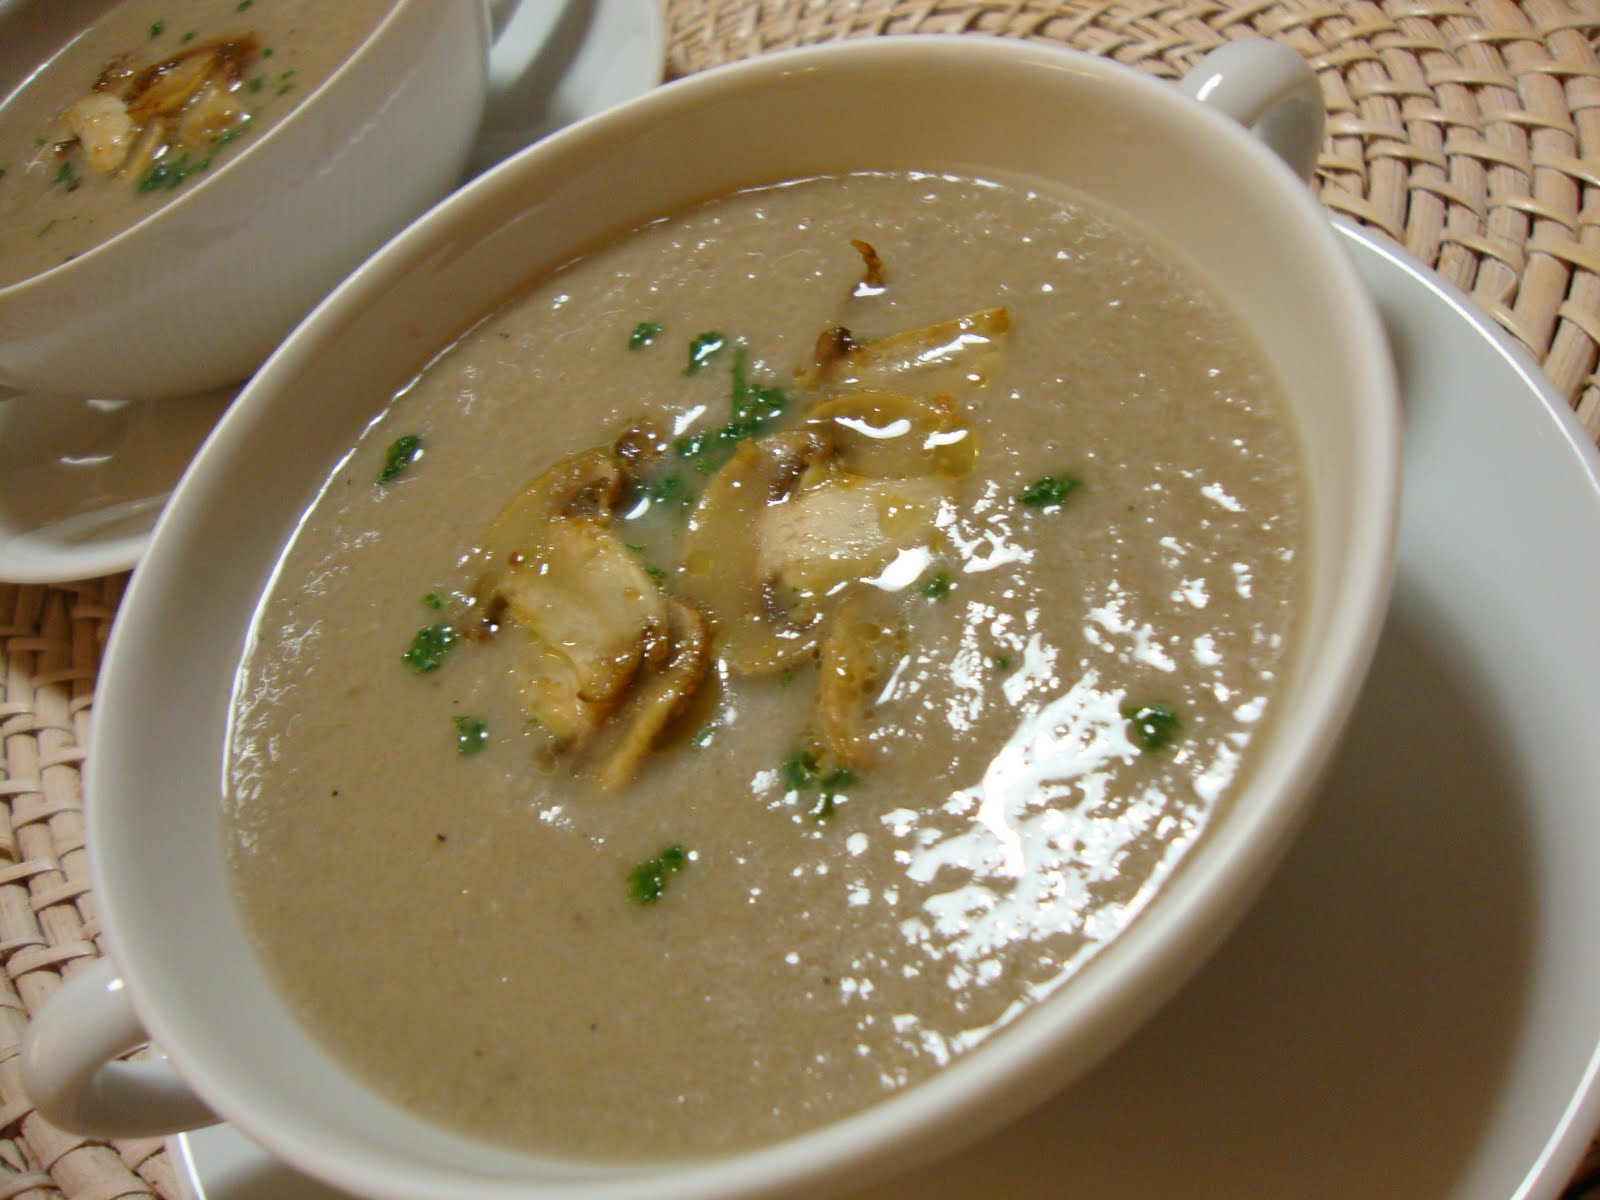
column 759, row 664
column 146, row 102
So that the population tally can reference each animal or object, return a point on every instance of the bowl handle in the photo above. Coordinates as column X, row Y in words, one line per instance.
column 1270, row 90
column 69, row 1073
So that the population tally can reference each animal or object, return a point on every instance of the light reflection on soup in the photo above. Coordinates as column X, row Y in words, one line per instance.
column 146, row 102
column 1015, row 608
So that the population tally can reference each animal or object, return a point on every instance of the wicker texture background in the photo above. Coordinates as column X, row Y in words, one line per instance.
column 1466, row 130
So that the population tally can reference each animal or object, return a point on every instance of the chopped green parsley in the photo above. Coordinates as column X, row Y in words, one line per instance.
column 703, row 349
column 67, row 177
column 754, row 407
column 402, row 452
column 1152, row 726
column 428, row 648
column 433, row 600
column 937, row 587
column 1050, row 491
column 802, row 771
column 643, row 334
column 648, row 880
column 156, row 28
column 799, row 770
column 472, row 735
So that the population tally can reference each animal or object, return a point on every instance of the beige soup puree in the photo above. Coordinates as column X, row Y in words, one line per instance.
column 753, row 668
column 143, row 104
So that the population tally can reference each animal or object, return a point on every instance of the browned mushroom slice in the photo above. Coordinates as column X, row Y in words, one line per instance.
column 872, row 277
column 960, row 348
column 864, row 644
column 588, row 484
column 593, row 618
column 846, row 528
column 889, row 435
column 104, row 129
column 214, row 114
column 659, row 697
column 162, row 90
column 720, row 571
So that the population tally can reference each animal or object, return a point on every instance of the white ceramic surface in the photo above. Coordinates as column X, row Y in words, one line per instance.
column 563, row 62
column 1241, row 218
column 82, row 481
column 1408, row 1011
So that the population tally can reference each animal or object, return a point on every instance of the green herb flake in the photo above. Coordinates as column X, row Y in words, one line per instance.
column 702, row 737
column 937, row 587
column 67, row 176
column 703, row 349
column 472, row 735
column 433, row 600
column 1049, row 492
column 46, row 227
column 187, row 38
column 799, row 770
column 1001, row 661
column 157, row 28
column 39, row 140
column 643, row 334
column 428, row 648
column 822, row 810
column 648, row 880
column 753, row 408
column 256, row 83
column 268, row 52
column 168, row 172
column 839, row 779
column 402, row 452
column 244, row 5
column 1152, row 726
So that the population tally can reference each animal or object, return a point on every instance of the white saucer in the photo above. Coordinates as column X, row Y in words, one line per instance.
column 82, row 482
column 1409, row 1011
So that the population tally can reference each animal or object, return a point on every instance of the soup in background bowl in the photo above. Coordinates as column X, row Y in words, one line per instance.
column 888, row 455
column 183, row 182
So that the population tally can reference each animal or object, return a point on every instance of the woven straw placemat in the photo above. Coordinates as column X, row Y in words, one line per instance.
column 1468, row 131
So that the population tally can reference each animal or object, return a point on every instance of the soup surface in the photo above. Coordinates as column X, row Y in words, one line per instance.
column 962, row 564
column 141, row 105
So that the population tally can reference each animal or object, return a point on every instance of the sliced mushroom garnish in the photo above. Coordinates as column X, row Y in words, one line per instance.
column 843, row 529
column 588, row 484
column 872, row 278
column 865, row 642
column 661, row 695
column 134, row 117
column 959, row 347
column 104, row 129
column 593, row 619
column 889, row 435
column 162, row 90
column 721, row 572
column 214, row 114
